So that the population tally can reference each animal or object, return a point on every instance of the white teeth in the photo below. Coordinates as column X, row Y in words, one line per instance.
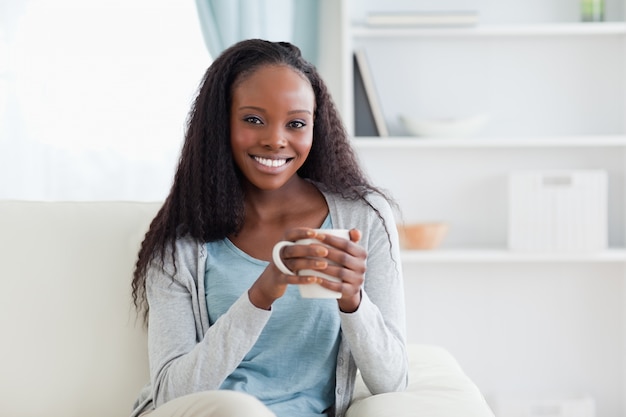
column 270, row 162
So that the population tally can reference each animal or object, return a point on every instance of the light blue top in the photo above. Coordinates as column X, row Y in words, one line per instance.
column 275, row 370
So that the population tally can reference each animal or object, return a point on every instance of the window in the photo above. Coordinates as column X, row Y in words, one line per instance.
column 94, row 96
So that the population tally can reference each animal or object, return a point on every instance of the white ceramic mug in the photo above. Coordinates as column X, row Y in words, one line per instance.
column 310, row 290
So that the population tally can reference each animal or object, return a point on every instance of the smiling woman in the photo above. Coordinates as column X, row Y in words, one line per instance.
column 267, row 159
column 93, row 96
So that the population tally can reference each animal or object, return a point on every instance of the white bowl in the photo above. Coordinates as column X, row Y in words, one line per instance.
column 438, row 128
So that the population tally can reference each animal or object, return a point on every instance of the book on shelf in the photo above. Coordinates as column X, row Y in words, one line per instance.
column 422, row 18
column 368, row 116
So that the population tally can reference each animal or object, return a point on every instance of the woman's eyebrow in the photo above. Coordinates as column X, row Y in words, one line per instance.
column 299, row 111
column 260, row 109
column 251, row 108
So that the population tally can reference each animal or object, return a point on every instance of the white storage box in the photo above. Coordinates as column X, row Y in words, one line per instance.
column 558, row 210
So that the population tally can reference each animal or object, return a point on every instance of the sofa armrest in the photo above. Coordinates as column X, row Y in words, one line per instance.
column 437, row 387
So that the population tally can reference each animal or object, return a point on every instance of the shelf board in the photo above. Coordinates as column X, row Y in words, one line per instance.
column 398, row 142
column 551, row 29
column 613, row 255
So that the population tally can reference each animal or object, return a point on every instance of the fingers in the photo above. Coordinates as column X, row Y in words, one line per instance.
column 299, row 233
column 355, row 235
column 334, row 256
column 347, row 261
column 345, row 252
column 309, row 256
column 341, row 243
column 335, row 250
column 349, row 279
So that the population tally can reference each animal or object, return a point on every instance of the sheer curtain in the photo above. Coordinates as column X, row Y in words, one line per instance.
column 225, row 22
column 94, row 96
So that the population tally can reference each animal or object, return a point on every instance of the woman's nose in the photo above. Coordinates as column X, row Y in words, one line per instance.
column 274, row 139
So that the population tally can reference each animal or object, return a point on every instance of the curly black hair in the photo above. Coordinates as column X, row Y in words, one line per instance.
column 206, row 201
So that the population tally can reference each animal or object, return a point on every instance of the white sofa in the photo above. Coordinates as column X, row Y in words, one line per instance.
column 73, row 346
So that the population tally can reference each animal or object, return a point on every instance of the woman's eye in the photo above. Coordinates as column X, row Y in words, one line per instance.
column 297, row 124
column 252, row 119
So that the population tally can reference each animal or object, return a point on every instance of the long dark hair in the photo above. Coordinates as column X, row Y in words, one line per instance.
column 206, row 201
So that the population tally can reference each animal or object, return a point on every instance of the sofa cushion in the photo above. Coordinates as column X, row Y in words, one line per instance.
column 438, row 387
column 72, row 343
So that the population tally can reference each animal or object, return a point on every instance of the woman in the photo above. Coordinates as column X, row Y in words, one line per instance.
column 265, row 159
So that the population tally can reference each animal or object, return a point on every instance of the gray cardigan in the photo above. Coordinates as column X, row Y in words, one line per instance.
column 187, row 355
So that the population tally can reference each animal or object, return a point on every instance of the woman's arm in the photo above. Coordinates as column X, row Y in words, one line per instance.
column 376, row 332
column 182, row 359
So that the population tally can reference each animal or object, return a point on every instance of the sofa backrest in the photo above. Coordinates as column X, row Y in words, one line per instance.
column 72, row 344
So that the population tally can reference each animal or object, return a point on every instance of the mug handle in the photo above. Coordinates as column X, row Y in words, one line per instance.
column 278, row 261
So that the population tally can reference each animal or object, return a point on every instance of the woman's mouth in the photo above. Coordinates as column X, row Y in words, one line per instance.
column 271, row 163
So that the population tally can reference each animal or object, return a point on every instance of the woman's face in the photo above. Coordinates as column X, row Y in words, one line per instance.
column 271, row 123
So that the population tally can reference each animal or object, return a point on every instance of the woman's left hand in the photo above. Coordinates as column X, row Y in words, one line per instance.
column 349, row 266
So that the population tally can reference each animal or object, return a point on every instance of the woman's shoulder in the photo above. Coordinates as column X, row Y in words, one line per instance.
column 372, row 206
column 185, row 252
column 188, row 245
column 370, row 199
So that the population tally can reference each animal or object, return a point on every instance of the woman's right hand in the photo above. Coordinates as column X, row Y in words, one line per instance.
column 272, row 283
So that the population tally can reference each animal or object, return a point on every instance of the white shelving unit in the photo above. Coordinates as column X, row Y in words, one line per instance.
column 524, row 325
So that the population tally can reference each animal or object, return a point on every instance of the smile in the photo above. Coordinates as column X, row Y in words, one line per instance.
column 272, row 163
